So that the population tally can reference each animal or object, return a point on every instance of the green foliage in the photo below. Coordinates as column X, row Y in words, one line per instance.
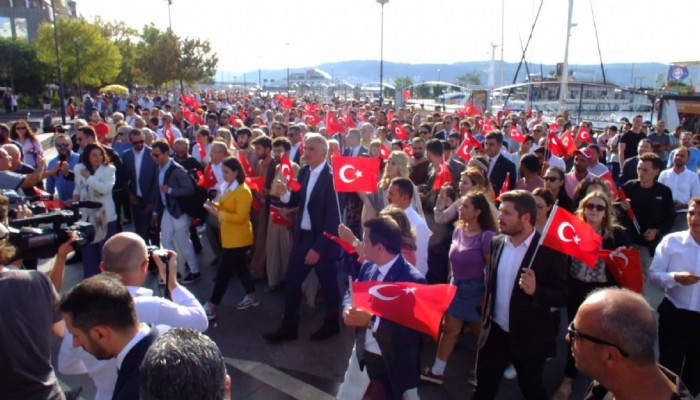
column 423, row 91
column 470, row 78
column 125, row 38
column 19, row 67
column 163, row 57
column 403, row 82
column 87, row 57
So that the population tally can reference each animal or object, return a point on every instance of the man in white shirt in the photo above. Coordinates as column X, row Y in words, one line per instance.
column 125, row 255
column 99, row 314
column 168, row 126
column 676, row 269
column 401, row 195
column 684, row 185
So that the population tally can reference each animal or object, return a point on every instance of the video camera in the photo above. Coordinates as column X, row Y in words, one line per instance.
column 16, row 200
column 32, row 241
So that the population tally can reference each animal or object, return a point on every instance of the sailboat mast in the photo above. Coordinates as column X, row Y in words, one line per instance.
column 563, row 93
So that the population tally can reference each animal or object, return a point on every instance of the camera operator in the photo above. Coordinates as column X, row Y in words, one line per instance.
column 25, row 337
column 126, row 255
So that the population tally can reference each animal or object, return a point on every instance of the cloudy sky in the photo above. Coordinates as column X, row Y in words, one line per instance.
column 248, row 35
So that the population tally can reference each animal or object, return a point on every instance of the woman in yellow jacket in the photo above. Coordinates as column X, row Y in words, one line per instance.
column 236, row 232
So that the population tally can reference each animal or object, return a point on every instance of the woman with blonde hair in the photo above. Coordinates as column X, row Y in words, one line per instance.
column 597, row 210
column 471, row 179
column 396, row 167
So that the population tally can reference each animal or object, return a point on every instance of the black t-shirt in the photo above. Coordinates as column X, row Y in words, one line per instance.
column 631, row 141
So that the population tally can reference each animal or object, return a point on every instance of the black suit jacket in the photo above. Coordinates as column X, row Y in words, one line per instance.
column 531, row 330
column 498, row 174
column 148, row 177
column 398, row 344
column 322, row 208
column 127, row 386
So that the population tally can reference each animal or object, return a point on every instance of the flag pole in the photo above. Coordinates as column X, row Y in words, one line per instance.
column 544, row 232
column 337, row 199
column 352, row 297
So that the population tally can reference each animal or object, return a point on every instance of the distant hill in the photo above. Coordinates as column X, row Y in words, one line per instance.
column 364, row 71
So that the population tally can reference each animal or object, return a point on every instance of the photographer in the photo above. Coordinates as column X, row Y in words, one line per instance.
column 94, row 180
column 25, row 338
column 12, row 180
column 125, row 254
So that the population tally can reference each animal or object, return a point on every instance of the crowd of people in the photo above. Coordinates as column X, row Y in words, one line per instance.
column 462, row 198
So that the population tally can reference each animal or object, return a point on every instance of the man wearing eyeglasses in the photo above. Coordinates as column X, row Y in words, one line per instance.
column 62, row 182
column 142, row 175
column 612, row 340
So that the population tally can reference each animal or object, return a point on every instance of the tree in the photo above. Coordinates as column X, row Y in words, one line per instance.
column 403, row 82
column 20, row 67
column 470, row 78
column 124, row 37
column 163, row 57
column 87, row 57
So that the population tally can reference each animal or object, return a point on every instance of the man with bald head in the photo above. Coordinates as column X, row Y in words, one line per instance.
column 612, row 340
column 125, row 254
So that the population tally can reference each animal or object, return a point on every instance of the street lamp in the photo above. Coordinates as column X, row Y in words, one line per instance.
column 381, row 56
column 59, row 71
column 438, row 74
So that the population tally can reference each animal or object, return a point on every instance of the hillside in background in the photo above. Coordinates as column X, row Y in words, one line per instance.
column 623, row 74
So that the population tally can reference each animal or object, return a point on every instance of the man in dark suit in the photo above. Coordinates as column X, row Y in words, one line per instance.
column 174, row 182
column 353, row 146
column 142, row 175
column 499, row 165
column 388, row 350
column 318, row 213
column 520, row 290
column 99, row 313
column 294, row 135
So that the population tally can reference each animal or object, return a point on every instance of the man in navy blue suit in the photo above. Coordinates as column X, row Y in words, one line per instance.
column 142, row 174
column 388, row 350
column 318, row 213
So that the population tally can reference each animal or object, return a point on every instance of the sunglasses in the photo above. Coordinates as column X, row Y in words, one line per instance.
column 138, row 142
column 61, row 145
column 597, row 207
column 551, row 178
column 574, row 335
column 21, row 128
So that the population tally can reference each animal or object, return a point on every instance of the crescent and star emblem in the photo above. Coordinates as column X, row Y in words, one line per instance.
column 620, row 255
column 285, row 170
column 343, row 174
column 562, row 228
column 374, row 291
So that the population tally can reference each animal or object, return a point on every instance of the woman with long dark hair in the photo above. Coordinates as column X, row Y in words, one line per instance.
column 23, row 134
column 94, row 180
column 236, row 233
column 554, row 182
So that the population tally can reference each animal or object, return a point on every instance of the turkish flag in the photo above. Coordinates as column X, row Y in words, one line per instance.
column 190, row 101
column 554, row 127
column 554, row 145
column 332, row 124
column 570, row 235
column 469, row 110
column 464, row 150
column 355, row 174
column 202, row 150
column 389, row 116
column 400, row 133
column 309, row 108
column 277, row 218
column 584, row 136
column 406, row 94
column 626, row 267
column 610, row 183
column 345, row 245
column 288, row 174
column 488, row 127
column 312, row 119
column 471, row 140
column 504, row 187
column 567, row 144
column 516, row 135
column 249, row 171
column 412, row 305
column 286, row 102
column 384, row 152
column 168, row 133
column 408, row 150
column 48, row 199
column 349, row 122
column 256, row 183
column 207, row 179
column 442, row 177
column 630, row 212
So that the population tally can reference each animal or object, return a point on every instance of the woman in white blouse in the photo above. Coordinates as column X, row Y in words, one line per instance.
column 94, row 180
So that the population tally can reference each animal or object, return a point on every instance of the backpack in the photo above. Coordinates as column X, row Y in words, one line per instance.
column 193, row 204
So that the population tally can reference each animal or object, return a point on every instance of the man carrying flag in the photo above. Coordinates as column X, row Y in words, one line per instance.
column 524, row 281
column 388, row 350
column 169, row 131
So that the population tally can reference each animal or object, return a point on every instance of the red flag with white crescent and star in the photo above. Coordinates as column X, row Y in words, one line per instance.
column 355, row 174
column 412, row 305
column 207, row 179
column 584, row 136
column 168, row 134
column 400, row 133
column 567, row 144
column 442, row 177
column 277, row 218
column 247, row 168
column 554, row 145
column 610, row 183
column 288, row 174
column 384, row 152
column 516, row 135
column 347, row 246
column 349, row 122
column 504, row 187
column 568, row 234
column 408, row 150
column 332, row 124
column 464, row 150
column 625, row 266
column 471, row 140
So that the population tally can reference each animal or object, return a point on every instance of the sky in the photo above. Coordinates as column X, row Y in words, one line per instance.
column 276, row 34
